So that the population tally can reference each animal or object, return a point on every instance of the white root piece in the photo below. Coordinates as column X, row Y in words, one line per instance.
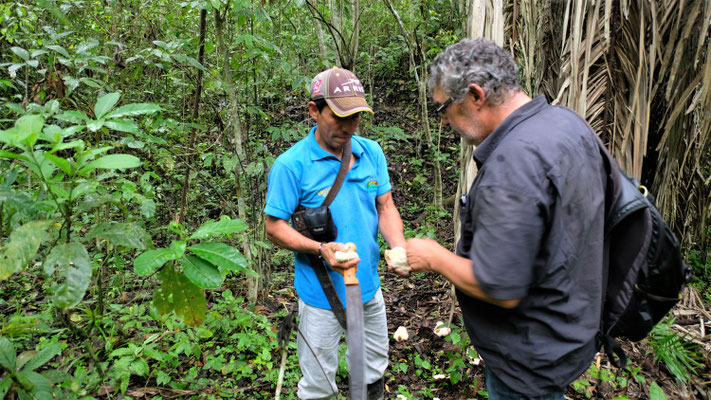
column 401, row 334
column 397, row 258
column 345, row 256
column 441, row 330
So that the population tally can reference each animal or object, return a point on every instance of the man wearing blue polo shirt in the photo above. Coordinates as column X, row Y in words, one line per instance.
column 303, row 176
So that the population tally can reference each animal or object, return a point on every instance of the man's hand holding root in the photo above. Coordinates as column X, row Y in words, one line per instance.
column 340, row 256
column 419, row 253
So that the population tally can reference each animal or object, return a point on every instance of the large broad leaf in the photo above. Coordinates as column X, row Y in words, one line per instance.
column 222, row 227
column 148, row 208
column 28, row 128
column 177, row 293
column 40, row 387
column 131, row 110
column 105, row 104
column 19, row 201
column 223, row 256
column 43, row 356
column 202, row 273
column 122, row 234
column 8, row 359
column 23, row 246
column 148, row 262
column 113, row 161
column 122, row 125
column 22, row 53
column 59, row 49
column 70, row 262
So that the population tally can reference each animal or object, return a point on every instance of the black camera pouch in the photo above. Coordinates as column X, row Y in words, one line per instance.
column 315, row 223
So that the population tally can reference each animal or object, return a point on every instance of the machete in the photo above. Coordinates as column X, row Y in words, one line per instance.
column 354, row 334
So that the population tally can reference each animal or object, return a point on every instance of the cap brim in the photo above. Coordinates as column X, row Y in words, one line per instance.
column 345, row 106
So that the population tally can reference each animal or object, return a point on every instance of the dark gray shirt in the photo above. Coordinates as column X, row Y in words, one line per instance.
column 533, row 226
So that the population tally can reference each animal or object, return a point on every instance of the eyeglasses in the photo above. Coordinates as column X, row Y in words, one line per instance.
column 439, row 110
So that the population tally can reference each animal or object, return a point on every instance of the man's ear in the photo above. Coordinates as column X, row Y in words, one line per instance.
column 477, row 94
column 313, row 110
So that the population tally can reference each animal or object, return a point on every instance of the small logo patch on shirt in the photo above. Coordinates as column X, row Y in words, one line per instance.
column 324, row 192
column 372, row 186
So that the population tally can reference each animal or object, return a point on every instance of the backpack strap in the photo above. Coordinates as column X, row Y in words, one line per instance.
column 612, row 349
column 613, row 189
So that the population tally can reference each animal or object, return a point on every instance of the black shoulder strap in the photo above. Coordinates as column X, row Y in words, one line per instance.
column 341, row 176
column 317, row 263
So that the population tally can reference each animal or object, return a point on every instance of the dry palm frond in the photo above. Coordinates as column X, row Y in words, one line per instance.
column 640, row 72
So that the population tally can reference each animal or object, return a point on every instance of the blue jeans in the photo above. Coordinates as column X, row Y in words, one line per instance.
column 499, row 391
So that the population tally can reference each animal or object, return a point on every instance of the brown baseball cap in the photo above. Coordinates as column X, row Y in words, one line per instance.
column 342, row 91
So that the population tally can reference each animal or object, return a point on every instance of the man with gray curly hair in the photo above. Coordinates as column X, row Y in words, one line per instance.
column 528, row 266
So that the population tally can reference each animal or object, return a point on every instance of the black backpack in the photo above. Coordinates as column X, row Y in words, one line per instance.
column 644, row 273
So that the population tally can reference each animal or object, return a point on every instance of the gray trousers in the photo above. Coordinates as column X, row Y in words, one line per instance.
column 323, row 333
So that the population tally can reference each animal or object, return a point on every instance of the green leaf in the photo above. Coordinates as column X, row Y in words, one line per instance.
column 223, row 256
column 139, row 367
column 201, row 272
column 49, row 6
column 22, row 53
column 5, row 385
column 656, row 393
column 72, row 116
column 24, row 357
column 23, row 246
column 14, row 67
column 195, row 63
column 43, row 356
column 148, row 208
column 94, row 125
column 83, row 189
column 8, row 359
column 58, row 49
column 105, row 104
column 7, row 154
column 74, row 144
column 62, row 163
column 29, row 125
column 148, row 262
column 40, row 387
column 90, row 153
column 122, row 125
column 113, row 161
column 131, row 110
column 126, row 234
column 222, row 227
column 178, row 294
column 71, row 263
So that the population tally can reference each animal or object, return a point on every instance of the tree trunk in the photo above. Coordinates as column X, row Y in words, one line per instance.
column 196, row 112
column 321, row 44
column 487, row 20
column 422, row 92
column 353, row 48
column 235, row 124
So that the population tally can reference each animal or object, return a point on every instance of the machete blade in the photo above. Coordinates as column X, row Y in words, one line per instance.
column 354, row 336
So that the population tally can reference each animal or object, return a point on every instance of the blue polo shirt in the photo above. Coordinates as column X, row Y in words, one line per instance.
column 303, row 175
